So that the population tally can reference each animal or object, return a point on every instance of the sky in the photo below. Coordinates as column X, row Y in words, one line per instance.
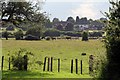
column 63, row 9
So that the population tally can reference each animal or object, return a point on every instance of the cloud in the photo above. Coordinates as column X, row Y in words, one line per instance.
column 86, row 9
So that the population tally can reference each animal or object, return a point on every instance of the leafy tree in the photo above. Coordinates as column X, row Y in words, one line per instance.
column 112, row 69
column 48, row 24
column 19, row 34
column 85, row 36
column 35, row 31
column 77, row 19
column 71, row 20
column 83, row 21
column 18, row 12
column 52, row 33
column 55, row 20
column 69, row 27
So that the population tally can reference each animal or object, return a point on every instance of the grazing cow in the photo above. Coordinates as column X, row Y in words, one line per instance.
column 53, row 38
column 68, row 37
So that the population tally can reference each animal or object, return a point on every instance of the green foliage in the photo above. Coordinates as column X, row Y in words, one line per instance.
column 35, row 31
column 19, row 12
column 19, row 34
column 48, row 24
column 20, row 59
column 52, row 33
column 85, row 36
column 112, row 42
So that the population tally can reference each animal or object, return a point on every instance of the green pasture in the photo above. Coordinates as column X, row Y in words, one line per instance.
column 66, row 50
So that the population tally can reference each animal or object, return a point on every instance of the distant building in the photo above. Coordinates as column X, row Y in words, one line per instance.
column 81, row 24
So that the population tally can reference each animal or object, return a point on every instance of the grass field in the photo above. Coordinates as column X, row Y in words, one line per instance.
column 63, row 49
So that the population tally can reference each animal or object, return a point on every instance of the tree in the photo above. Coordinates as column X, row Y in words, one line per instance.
column 83, row 21
column 85, row 36
column 17, row 12
column 112, row 69
column 48, row 24
column 35, row 31
column 69, row 27
column 19, row 34
column 77, row 19
column 52, row 33
column 71, row 20
column 55, row 20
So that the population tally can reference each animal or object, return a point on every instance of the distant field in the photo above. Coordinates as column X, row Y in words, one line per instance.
column 63, row 49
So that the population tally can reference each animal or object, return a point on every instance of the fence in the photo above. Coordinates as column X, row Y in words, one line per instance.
column 48, row 65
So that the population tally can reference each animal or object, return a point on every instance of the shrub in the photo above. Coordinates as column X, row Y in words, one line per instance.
column 19, row 34
column 20, row 59
column 35, row 31
column 52, row 33
column 85, row 36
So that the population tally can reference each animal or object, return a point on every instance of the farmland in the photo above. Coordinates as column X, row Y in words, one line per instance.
column 63, row 49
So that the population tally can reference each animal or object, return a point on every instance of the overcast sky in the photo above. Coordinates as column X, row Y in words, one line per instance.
column 62, row 9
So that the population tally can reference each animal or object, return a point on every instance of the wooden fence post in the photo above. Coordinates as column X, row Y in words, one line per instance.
column 51, row 64
column 48, row 64
column 9, row 63
column 58, row 65
column 2, row 62
column 72, row 66
column 76, row 61
column 25, row 62
column 81, row 66
column 44, row 64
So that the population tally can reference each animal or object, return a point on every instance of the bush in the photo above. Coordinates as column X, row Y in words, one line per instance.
column 52, row 33
column 20, row 59
column 35, row 31
column 85, row 36
column 19, row 34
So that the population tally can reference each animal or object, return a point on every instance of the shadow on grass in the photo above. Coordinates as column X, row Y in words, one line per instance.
column 25, row 74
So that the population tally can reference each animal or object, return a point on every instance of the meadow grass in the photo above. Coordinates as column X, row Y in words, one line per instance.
column 63, row 49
